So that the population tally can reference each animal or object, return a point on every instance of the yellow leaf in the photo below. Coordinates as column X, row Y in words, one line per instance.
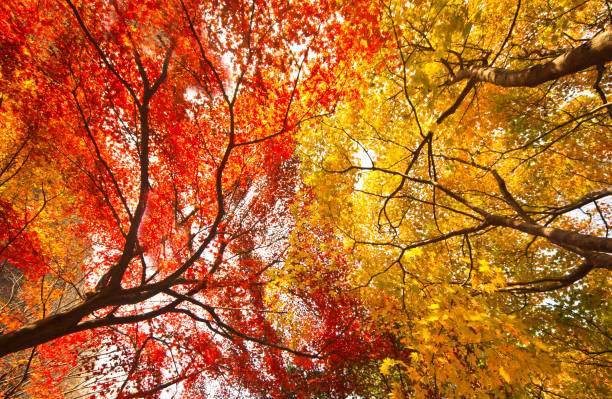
column 484, row 266
column 504, row 375
column 386, row 365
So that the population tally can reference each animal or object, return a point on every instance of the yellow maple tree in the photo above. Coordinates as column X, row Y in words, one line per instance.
column 470, row 182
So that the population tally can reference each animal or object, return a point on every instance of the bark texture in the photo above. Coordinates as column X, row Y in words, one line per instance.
column 596, row 51
column 558, row 236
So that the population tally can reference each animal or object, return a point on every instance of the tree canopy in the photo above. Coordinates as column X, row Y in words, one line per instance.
column 305, row 199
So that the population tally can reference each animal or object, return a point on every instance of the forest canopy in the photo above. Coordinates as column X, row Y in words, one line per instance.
column 305, row 199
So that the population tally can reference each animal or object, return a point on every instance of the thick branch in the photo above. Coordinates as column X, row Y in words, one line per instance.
column 558, row 236
column 69, row 321
column 596, row 51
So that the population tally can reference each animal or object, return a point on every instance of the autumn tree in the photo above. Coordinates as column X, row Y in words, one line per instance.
column 306, row 199
column 159, row 137
column 470, row 182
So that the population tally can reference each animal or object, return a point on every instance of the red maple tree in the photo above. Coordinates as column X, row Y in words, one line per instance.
column 164, row 131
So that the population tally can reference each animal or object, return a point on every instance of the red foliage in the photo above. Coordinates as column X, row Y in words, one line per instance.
column 18, row 245
column 173, row 123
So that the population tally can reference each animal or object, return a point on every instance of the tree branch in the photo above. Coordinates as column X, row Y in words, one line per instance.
column 596, row 51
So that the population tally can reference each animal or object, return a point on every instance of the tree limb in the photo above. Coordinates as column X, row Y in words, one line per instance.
column 596, row 51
